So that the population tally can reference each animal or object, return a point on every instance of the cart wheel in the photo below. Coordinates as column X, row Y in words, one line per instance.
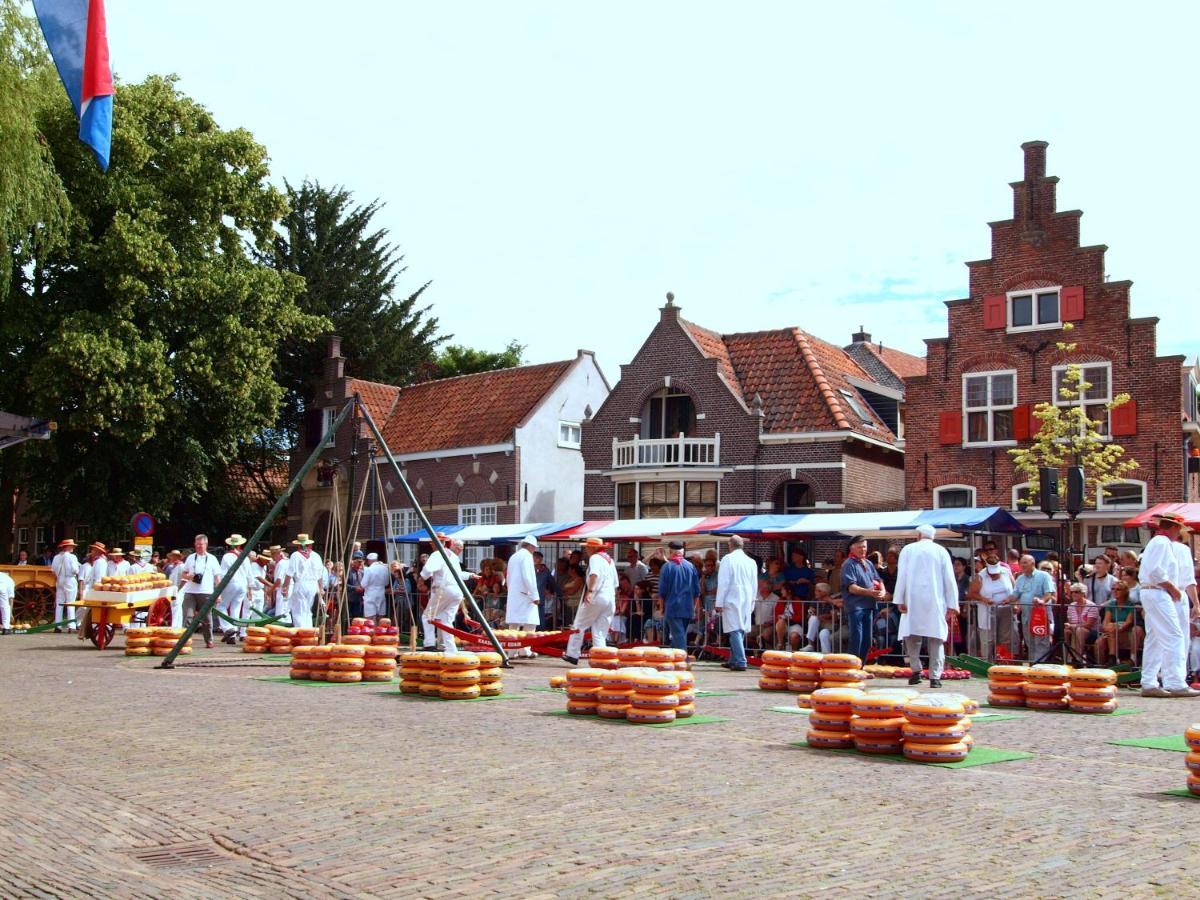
column 33, row 603
column 101, row 634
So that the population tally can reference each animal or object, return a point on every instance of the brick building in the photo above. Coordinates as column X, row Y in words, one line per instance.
column 491, row 448
column 1000, row 360
column 768, row 421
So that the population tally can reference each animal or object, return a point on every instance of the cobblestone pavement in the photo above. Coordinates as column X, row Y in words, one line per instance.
column 290, row 791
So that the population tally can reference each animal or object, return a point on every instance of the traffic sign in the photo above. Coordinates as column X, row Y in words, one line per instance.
column 142, row 524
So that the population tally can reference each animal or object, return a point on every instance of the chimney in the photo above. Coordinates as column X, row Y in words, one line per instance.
column 1035, row 160
column 1033, row 196
column 670, row 312
column 860, row 336
column 335, row 363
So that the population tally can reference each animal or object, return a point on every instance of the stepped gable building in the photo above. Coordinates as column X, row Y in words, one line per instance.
column 1000, row 360
column 491, row 448
column 704, row 424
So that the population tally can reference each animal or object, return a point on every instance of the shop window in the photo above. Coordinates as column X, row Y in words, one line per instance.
column 954, row 496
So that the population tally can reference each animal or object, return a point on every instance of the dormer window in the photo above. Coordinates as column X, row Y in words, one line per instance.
column 1033, row 310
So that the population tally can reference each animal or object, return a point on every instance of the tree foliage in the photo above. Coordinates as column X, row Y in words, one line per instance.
column 458, row 360
column 1067, row 436
column 150, row 333
column 350, row 273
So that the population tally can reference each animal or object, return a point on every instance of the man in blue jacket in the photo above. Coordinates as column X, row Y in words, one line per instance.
column 679, row 588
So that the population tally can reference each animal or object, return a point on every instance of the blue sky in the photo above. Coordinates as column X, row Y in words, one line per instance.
column 556, row 168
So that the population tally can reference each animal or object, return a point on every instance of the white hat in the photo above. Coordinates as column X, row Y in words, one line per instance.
column 997, row 569
column 372, row 557
column 926, row 531
column 530, row 540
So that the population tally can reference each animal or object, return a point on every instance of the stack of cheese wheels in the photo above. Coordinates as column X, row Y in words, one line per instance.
column 804, row 672
column 603, row 658
column 137, row 641
column 317, row 662
column 583, row 690
column 459, row 676
column 1046, row 686
column 615, row 690
column 345, row 663
column 306, row 637
column 655, row 698
column 430, row 675
column 1192, row 736
column 829, row 723
column 302, row 658
column 631, row 656
column 257, row 639
column 491, row 676
column 687, row 694
column 660, row 658
column 936, row 729
column 1092, row 691
column 279, row 638
column 1006, row 685
column 681, row 660
column 386, row 640
column 379, row 662
column 841, row 670
column 163, row 639
column 412, row 667
column 877, row 723
column 773, row 675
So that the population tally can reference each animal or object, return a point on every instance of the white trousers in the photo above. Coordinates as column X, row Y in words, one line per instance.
column 442, row 607
column 63, row 595
column 525, row 652
column 937, row 654
column 300, row 605
column 177, row 610
column 1183, row 609
column 1164, row 653
column 233, row 603
column 595, row 615
column 5, row 612
column 1195, row 656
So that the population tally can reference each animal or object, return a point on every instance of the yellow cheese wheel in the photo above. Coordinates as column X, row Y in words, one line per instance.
column 588, row 694
column 829, row 721
column 487, row 676
column 300, row 674
column 933, row 709
column 649, row 716
column 611, row 710
column 491, row 689
column 1045, row 691
column 489, row 659
column 347, row 651
column 775, row 672
column 840, row 661
column 586, row 677
column 685, row 710
column 1091, row 706
column 343, row 676
column 879, row 706
column 889, row 729
column 869, row 744
column 138, row 651
column 409, row 687
column 614, row 696
column 830, row 740
column 558, row 681
column 1012, row 688
column 1096, row 677
column 459, row 691
column 1192, row 736
column 659, row 683
column 806, row 659
column 1045, row 703
column 459, row 676
column 944, row 733
column 1092, row 692
column 837, row 699
column 1006, row 699
column 653, row 701
column 772, row 684
column 345, row 664
column 581, row 707
column 919, row 752
column 1192, row 761
column 430, row 689
column 777, row 658
column 686, row 680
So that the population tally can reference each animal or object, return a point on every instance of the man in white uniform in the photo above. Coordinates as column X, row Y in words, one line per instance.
column 117, row 565
column 444, row 596
column 233, row 598
column 199, row 575
column 521, row 609
column 257, row 578
column 1166, row 640
column 304, row 582
column 926, row 591
column 375, row 581
column 598, row 603
column 737, row 588
column 8, row 590
column 66, row 590
column 174, row 572
column 279, row 564
column 1187, row 608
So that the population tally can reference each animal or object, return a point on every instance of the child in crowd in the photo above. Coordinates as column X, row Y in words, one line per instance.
column 655, row 629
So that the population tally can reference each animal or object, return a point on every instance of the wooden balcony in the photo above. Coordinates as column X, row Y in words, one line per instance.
column 656, row 453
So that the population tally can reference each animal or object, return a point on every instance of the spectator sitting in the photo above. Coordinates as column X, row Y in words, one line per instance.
column 708, row 597
column 620, row 620
column 764, row 614
column 800, row 576
column 1099, row 583
column 655, row 629
column 1083, row 619
column 1119, row 628
column 823, row 620
column 787, row 611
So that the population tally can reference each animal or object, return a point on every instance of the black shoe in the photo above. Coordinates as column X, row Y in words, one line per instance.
column 726, row 665
column 433, row 649
column 934, row 683
column 572, row 660
column 915, row 678
column 737, row 668
column 58, row 631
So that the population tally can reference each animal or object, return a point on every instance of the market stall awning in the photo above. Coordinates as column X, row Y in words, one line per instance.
column 1189, row 511
column 875, row 524
column 632, row 530
column 575, row 532
column 993, row 519
column 415, row 537
column 509, row 534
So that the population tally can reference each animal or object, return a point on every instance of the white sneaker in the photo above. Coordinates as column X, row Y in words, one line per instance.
column 807, row 648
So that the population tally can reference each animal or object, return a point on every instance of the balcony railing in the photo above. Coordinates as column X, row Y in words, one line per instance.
column 658, row 452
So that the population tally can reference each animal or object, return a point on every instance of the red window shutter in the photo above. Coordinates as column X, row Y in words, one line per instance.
column 950, row 427
column 1022, row 422
column 1124, row 419
column 995, row 311
column 1071, row 303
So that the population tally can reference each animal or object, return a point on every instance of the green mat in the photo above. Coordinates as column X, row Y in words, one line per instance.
column 277, row 657
column 440, row 700
column 715, row 694
column 546, row 690
column 307, row 683
column 790, row 710
column 1119, row 711
column 979, row 756
column 1167, row 742
column 984, row 718
column 690, row 720
column 1181, row 792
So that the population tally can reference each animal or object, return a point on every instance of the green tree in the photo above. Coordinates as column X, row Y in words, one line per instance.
column 459, row 360
column 350, row 273
column 1067, row 436
column 152, row 332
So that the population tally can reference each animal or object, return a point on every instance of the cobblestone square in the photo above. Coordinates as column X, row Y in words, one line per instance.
column 120, row 780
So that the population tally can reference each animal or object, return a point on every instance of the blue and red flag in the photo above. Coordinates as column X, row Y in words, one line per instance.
column 78, row 42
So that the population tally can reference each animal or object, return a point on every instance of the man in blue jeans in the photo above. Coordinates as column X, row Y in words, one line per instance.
column 861, row 588
column 679, row 588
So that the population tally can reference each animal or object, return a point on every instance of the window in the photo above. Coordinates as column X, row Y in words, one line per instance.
column 794, row 497
column 1123, row 495
column 41, row 537
column 668, row 415
column 22, row 538
column 627, row 500
column 1119, row 534
column 1095, row 392
column 474, row 554
column 857, row 405
column 83, row 534
column 988, row 401
column 1033, row 310
column 402, row 521
column 327, row 417
column 1022, row 493
column 700, row 498
column 954, row 496
column 1189, row 399
column 569, row 434
column 477, row 514
column 659, row 499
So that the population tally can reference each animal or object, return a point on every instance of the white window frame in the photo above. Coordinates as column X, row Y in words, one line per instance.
column 1016, row 493
column 1034, row 293
column 989, row 408
column 402, row 521
column 1191, row 404
column 477, row 514
column 1106, row 503
column 474, row 554
column 42, row 535
column 23, row 539
column 572, row 428
column 859, row 406
column 681, row 482
column 970, row 488
column 1067, row 404
column 327, row 417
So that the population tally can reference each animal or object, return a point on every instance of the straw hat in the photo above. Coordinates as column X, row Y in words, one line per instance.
column 593, row 542
column 235, row 540
column 1167, row 519
column 99, row 548
column 65, row 543
column 302, row 540
column 116, row 551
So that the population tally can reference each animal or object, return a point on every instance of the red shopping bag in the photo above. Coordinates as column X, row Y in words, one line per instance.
column 1039, row 621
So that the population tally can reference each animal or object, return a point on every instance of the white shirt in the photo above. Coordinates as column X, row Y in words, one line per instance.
column 8, row 588
column 309, row 572
column 600, row 565
column 206, row 566
column 281, row 567
column 998, row 590
column 737, row 586
column 241, row 578
column 1187, row 566
column 375, row 580
column 257, row 571
column 118, row 568
column 65, row 566
column 1159, row 563
column 435, row 569
column 522, row 605
column 926, row 586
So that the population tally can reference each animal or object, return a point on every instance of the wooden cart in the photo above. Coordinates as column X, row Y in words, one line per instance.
column 33, row 602
column 108, row 609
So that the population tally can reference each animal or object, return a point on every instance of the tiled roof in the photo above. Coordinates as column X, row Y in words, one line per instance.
column 905, row 365
column 713, row 346
column 257, row 483
column 377, row 398
column 468, row 411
